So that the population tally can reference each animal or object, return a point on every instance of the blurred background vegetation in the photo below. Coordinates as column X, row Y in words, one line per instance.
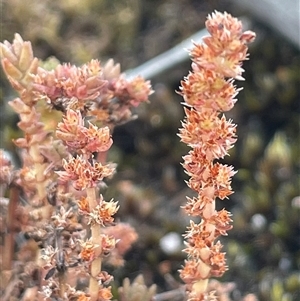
column 264, row 246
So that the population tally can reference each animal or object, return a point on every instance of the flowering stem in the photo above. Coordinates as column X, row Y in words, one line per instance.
column 101, row 94
column 95, row 238
column 208, row 91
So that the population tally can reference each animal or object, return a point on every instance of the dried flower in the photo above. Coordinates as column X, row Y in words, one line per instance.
column 103, row 213
column 73, row 132
column 194, row 269
column 83, row 205
column 66, row 82
column 195, row 86
column 88, row 251
column 225, row 48
column 83, row 173
column 48, row 256
column 60, row 219
column 105, row 294
column 99, row 139
column 212, row 136
column 71, row 128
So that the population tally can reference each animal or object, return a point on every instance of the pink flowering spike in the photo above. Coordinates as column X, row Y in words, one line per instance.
column 223, row 51
column 207, row 91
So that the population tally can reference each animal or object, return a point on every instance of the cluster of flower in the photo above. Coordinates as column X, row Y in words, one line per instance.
column 63, row 168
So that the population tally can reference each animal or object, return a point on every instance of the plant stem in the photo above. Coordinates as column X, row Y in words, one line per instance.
column 39, row 167
column 95, row 238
